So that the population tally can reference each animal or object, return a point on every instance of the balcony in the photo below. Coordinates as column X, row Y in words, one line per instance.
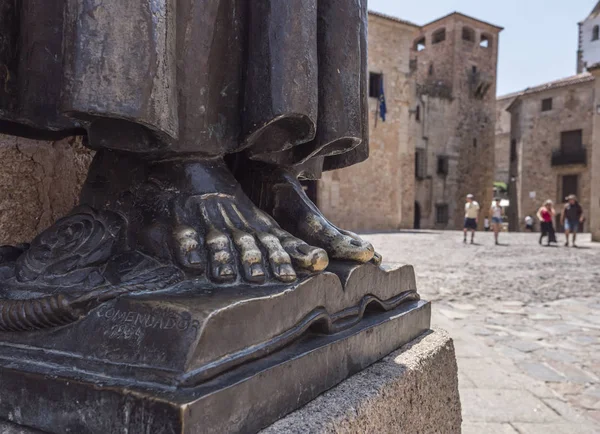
column 565, row 157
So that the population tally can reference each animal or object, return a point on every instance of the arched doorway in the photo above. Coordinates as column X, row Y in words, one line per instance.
column 417, row 224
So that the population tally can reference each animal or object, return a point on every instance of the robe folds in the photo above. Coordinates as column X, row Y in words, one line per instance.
column 282, row 80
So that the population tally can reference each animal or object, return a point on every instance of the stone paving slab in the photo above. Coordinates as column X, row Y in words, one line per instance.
column 488, row 428
column 501, row 405
column 526, row 324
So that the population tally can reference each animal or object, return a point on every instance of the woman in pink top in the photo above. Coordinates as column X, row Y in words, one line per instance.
column 545, row 214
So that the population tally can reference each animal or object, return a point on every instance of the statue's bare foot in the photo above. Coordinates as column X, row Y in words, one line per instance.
column 194, row 213
column 296, row 213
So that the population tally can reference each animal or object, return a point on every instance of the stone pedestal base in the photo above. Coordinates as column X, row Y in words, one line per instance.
column 414, row 390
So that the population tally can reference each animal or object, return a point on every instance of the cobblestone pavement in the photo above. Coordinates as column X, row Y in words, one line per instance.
column 526, row 324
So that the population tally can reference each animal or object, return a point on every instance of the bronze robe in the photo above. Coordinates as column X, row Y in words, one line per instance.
column 282, row 80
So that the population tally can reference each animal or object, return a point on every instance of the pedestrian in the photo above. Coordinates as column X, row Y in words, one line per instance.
column 571, row 217
column 471, row 217
column 497, row 214
column 529, row 223
column 486, row 224
column 545, row 214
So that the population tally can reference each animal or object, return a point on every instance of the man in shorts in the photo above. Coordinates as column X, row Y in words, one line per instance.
column 471, row 218
column 497, row 214
column 571, row 217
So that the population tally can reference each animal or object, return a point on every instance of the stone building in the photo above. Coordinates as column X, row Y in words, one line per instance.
column 454, row 62
column 594, row 210
column 502, row 151
column 378, row 194
column 588, row 52
column 550, row 137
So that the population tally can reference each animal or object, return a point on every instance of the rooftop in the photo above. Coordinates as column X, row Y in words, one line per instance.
column 464, row 16
column 395, row 19
column 563, row 82
column 584, row 77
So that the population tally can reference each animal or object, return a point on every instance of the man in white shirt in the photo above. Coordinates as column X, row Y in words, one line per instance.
column 471, row 217
column 497, row 214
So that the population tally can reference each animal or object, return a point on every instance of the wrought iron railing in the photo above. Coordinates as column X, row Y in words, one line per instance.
column 564, row 157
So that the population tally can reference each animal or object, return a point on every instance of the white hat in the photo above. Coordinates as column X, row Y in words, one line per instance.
column 470, row 196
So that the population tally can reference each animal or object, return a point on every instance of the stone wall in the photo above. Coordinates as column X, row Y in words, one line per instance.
column 502, row 139
column 538, row 134
column 456, row 85
column 378, row 194
column 414, row 390
column 594, row 212
column 39, row 183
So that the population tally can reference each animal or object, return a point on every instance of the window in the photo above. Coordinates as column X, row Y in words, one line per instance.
column 419, row 44
column 474, row 69
column 420, row 163
column 546, row 104
column 513, row 150
column 486, row 41
column 571, row 141
column 474, row 143
column 442, row 165
column 570, row 185
column 441, row 214
column 430, row 69
column 596, row 33
column 375, row 84
column 438, row 36
column 418, row 113
column 468, row 34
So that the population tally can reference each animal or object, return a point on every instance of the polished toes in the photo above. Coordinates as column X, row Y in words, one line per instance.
column 286, row 273
column 250, row 256
column 350, row 246
column 309, row 258
column 279, row 260
column 221, row 259
column 187, row 247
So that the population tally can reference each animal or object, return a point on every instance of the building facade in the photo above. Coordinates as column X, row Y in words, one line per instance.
column 594, row 211
column 502, row 151
column 437, row 143
column 378, row 194
column 454, row 62
column 550, row 146
column 588, row 52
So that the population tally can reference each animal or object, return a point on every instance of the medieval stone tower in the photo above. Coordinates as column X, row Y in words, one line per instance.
column 454, row 62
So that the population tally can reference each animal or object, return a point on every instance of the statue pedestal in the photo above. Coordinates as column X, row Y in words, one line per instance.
column 413, row 390
column 187, row 361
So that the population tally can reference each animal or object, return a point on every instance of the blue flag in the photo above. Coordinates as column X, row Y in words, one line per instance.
column 382, row 106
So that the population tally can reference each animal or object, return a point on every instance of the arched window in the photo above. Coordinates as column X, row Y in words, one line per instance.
column 486, row 41
column 468, row 34
column 418, row 114
column 419, row 44
column 430, row 69
column 438, row 36
column 596, row 33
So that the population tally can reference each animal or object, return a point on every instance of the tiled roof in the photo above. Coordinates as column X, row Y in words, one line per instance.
column 391, row 18
column 509, row 95
column 557, row 84
column 568, row 81
column 464, row 16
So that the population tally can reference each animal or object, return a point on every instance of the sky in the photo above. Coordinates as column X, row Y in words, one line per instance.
column 538, row 43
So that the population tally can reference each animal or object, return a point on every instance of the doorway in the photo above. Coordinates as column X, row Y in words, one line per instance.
column 417, row 223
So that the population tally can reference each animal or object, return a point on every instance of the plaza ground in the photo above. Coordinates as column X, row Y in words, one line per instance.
column 525, row 321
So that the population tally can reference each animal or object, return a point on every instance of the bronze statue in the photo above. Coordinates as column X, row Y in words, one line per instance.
column 179, row 98
column 196, row 288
